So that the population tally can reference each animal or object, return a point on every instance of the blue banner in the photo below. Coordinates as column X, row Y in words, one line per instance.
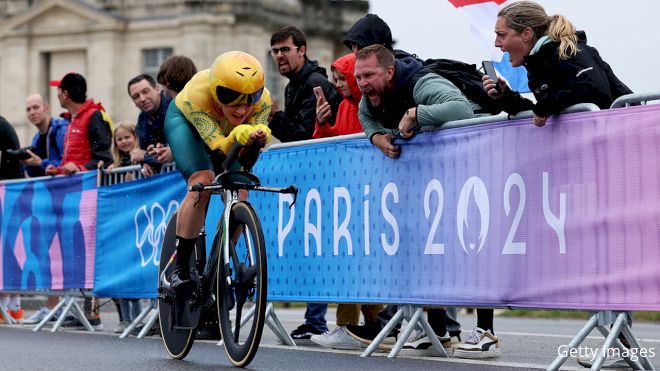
column 48, row 233
column 133, row 220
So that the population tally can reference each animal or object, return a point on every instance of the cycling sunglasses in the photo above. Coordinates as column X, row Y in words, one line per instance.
column 230, row 96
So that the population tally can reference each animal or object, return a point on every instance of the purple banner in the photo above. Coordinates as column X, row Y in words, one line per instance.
column 505, row 214
column 48, row 233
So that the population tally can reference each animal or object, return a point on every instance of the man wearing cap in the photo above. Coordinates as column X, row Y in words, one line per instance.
column 89, row 136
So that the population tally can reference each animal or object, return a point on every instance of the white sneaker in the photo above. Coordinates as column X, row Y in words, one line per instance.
column 337, row 339
column 479, row 344
column 418, row 340
column 38, row 316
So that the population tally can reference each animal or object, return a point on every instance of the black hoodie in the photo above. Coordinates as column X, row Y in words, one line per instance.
column 298, row 119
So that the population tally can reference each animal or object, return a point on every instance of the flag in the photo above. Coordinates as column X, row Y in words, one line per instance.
column 482, row 15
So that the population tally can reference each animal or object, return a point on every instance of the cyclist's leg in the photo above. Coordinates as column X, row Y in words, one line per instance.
column 191, row 158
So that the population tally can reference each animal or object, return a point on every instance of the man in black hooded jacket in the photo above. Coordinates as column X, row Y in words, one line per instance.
column 296, row 122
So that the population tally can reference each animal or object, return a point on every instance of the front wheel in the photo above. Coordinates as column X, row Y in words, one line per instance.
column 242, row 285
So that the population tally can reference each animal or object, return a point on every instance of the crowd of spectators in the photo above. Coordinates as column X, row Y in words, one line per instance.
column 384, row 92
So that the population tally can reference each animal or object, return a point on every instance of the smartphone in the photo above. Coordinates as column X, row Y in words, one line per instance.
column 318, row 92
column 490, row 71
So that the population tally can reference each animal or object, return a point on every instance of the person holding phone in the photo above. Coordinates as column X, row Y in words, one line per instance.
column 347, row 120
column 562, row 69
column 288, row 47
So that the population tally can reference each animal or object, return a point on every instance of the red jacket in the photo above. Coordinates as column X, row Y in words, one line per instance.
column 77, row 148
column 347, row 119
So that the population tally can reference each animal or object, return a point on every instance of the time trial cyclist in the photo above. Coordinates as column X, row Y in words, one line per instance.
column 217, row 107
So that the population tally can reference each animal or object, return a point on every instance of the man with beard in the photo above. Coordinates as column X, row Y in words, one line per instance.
column 296, row 122
column 399, row 96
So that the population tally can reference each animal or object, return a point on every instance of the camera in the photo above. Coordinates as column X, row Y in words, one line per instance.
column 21, row 153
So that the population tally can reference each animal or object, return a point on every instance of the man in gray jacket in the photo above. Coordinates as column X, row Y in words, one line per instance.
column 399, row 96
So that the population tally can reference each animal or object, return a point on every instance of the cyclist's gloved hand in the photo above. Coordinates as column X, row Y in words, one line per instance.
column 260, row 137
column 242, row 133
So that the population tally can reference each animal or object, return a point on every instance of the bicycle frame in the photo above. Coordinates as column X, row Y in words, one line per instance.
column 229, row 191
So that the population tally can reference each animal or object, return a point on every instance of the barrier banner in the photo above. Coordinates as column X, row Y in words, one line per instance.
column 132, row 223
column 504, row 214
column 48, row 233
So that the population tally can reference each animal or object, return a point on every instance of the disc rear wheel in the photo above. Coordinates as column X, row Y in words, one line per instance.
column 177, row 342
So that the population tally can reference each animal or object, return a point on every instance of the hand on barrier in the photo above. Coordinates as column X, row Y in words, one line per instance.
column 385, row 143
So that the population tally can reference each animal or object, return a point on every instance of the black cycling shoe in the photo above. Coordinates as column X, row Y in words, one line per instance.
column 180, row 280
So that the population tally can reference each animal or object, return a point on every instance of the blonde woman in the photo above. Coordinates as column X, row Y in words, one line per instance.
column 562, row 69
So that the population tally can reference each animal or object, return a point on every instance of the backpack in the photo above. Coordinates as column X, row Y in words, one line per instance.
column 467, row 79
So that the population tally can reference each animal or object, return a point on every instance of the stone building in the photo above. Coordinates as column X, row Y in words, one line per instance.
column 110, row 41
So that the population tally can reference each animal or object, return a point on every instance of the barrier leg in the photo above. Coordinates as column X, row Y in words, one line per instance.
column 50, row 315
column 396, row 319
column 81, row 315
column 8, row 319
column 273, row 323
column 277, row 327
column 148, row 323
column 611, row 340
column 405, row 334
column 627, row 333
column 600, row 321
column 136, row 322
column 68, row 301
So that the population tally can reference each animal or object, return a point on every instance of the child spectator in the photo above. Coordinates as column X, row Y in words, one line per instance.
column 125, row 140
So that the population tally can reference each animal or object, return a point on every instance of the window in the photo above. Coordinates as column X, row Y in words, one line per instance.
column 153, row 58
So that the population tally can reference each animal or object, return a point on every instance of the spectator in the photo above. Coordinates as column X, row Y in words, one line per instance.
column 49, row 139
column 288, row 47
column 370, row 30
column 561, row 68
column 49, row 144
column 296, row 122
column 10, row 168
column 87, row 147
column 153, row 104
column 346, row 118
column 175, row 73
column 562, row 71
column 397, row 96
column 125, row 140
column 89, row 135
column 347, row 123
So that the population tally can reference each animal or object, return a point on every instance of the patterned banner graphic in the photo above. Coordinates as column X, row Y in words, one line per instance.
column 48, row 233
column 133, row 217
column 506, row 214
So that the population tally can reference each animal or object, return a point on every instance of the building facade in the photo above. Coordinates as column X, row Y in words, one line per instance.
column 110, row 41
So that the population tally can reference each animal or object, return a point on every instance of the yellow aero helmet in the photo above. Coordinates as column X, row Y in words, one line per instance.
column 236, row 78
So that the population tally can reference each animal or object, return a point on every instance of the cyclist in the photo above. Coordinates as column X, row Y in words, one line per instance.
column 217, row 107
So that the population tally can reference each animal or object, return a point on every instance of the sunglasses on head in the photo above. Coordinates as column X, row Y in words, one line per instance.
column 230, row 96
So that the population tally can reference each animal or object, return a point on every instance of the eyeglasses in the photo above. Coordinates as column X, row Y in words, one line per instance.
column 285, row 50
column 230, row 97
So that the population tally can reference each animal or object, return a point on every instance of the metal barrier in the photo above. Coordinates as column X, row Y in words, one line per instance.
column 630, row 99
column 119, row 174
column 67, row 305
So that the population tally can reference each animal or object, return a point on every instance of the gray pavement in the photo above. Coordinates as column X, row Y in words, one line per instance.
column 526, row 343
